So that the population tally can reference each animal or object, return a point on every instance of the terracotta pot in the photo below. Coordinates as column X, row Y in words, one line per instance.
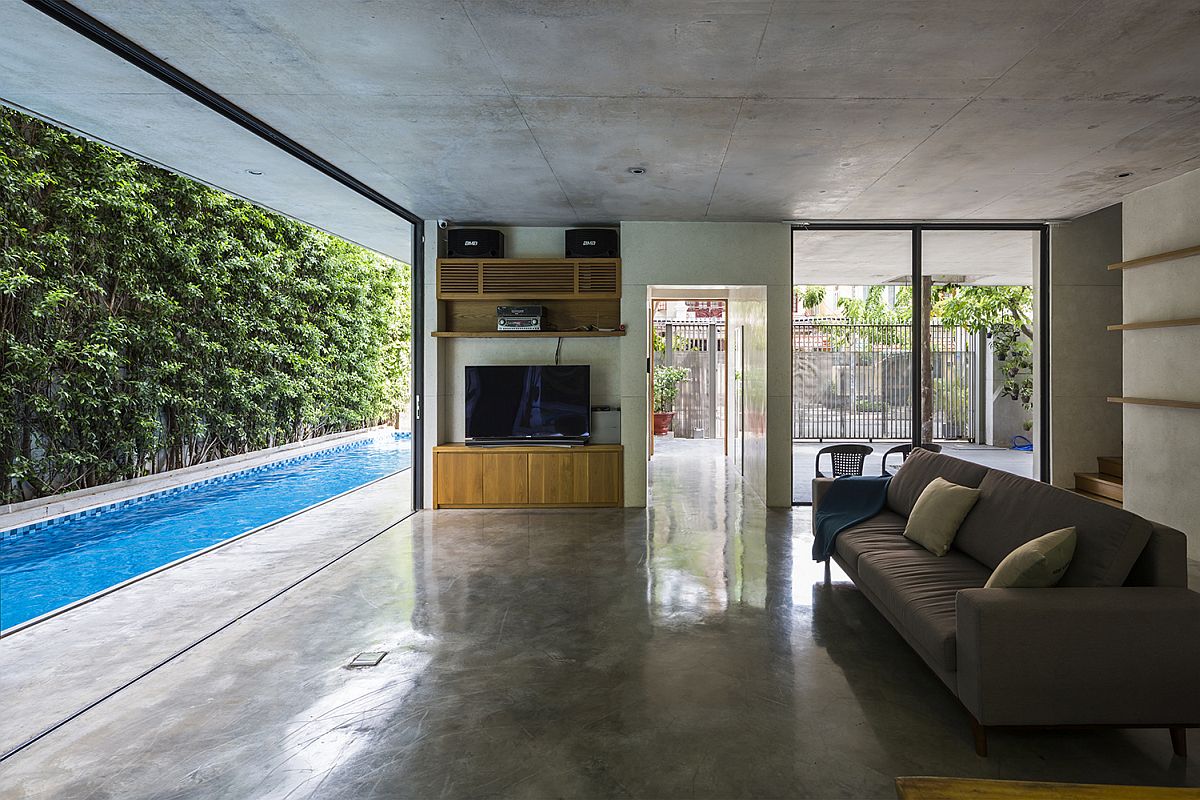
column 662, row 422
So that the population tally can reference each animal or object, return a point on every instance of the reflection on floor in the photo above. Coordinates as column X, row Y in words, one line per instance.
column 804, row 461
column 691, row 649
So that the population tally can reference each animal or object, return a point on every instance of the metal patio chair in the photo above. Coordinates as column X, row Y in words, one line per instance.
column 906, row 451
column 847, row 459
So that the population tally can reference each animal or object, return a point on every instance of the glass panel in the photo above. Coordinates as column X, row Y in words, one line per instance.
column 979, row 369
column 851, row 347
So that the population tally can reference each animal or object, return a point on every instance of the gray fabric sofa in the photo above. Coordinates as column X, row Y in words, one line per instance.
column 1117, row 642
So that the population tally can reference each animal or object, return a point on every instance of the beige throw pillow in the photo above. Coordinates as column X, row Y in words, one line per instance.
column 938, row 512
column 1037, row 564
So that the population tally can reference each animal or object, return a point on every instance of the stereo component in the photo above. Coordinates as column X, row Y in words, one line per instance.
column 518, row 323
column 521, row 311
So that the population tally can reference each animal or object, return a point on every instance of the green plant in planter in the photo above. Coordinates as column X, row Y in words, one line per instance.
column 666, row 387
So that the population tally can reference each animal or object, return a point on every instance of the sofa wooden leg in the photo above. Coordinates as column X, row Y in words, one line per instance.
column 980, row 734
column 1179, row 741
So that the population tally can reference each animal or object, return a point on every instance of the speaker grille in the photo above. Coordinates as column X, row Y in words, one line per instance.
column 458, row 279
column 510, row 278
column 597, row 279
column 464, row 279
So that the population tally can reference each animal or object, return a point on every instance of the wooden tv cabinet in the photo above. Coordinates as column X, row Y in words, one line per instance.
column 589, row 476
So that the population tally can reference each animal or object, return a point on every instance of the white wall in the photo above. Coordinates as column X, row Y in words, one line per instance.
column 1162, row 445
column 1085, row 297
column 709, row 254
column 748, row 310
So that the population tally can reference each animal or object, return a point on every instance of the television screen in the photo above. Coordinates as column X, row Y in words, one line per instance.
column 534, row 402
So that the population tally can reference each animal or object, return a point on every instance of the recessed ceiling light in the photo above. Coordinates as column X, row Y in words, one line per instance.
column 637, row 170
column 254, row 171
column 1124, row 174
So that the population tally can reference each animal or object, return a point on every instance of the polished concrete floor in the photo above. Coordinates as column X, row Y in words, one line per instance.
column 691, row 649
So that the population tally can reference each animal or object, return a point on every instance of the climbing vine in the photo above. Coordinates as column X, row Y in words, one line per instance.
column 148, row 322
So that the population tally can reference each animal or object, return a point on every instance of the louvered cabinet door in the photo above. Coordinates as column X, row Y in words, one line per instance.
column 533, row 279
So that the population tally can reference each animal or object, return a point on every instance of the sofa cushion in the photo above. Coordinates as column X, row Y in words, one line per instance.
column 884, row 531
column 918, row 589
column 939, row 511
column 921, row 468
column 1038, row 564
column 1013, row 510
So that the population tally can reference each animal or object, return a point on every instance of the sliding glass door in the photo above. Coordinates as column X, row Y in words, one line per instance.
column 918, row 335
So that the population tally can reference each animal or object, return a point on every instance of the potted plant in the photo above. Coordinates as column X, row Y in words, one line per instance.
column 666, row 389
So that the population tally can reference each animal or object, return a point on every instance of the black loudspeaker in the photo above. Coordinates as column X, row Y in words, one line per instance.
column 474, row 243
column 592, row 243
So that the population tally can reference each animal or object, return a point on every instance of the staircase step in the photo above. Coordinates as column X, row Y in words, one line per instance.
column 1108, row 501
column 1104, row 485
column 1110, row 465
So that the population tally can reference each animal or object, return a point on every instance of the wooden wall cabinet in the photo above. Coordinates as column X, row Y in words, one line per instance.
column 581, row 297
column 528, row 477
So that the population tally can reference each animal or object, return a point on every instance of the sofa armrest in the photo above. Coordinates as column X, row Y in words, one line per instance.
column 819, row 487
column 1079, row 656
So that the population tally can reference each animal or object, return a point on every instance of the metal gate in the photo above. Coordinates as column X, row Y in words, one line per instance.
column 698, row 347
column 854, row 381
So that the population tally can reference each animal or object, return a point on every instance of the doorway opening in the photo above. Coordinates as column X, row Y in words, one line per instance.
column 689, row 377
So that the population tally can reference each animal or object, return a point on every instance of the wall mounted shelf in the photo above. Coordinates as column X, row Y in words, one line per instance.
column 1155, row 259
column 525, row 334
column 1149, row 401
column 1158, row 323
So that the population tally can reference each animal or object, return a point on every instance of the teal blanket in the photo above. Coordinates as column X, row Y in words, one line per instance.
column 849, row 500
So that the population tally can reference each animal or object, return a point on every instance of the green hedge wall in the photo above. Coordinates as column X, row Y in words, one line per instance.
column 148, row 322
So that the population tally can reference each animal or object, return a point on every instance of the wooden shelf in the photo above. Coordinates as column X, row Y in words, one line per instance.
column 1155, row 259
column 1149, row 401
column 525, row 334
column 1157, row 323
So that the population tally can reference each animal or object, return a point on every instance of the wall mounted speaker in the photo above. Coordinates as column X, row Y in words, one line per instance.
column 474, row 243
column 592, row 243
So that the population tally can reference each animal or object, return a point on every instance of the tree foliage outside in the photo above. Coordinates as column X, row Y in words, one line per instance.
column 666, row 387
column 148, row 322
column 1005, row 313
column 810, row 296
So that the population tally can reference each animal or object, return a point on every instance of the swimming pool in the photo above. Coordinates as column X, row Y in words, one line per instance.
column 54, row 563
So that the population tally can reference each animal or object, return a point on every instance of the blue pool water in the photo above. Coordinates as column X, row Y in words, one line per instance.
column 65, row 560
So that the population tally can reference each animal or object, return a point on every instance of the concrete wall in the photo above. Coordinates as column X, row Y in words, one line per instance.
column 435, row 399
column 714, row 255
column 1085, row 357
column 1162, row 445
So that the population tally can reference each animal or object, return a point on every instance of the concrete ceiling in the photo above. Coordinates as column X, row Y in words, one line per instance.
column 47, row 69
column 532, row 112
column 865, row 258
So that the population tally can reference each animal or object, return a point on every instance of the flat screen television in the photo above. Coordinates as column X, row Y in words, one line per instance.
column 528, row 405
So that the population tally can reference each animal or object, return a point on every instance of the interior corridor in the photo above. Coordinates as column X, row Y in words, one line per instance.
column 687, row 649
